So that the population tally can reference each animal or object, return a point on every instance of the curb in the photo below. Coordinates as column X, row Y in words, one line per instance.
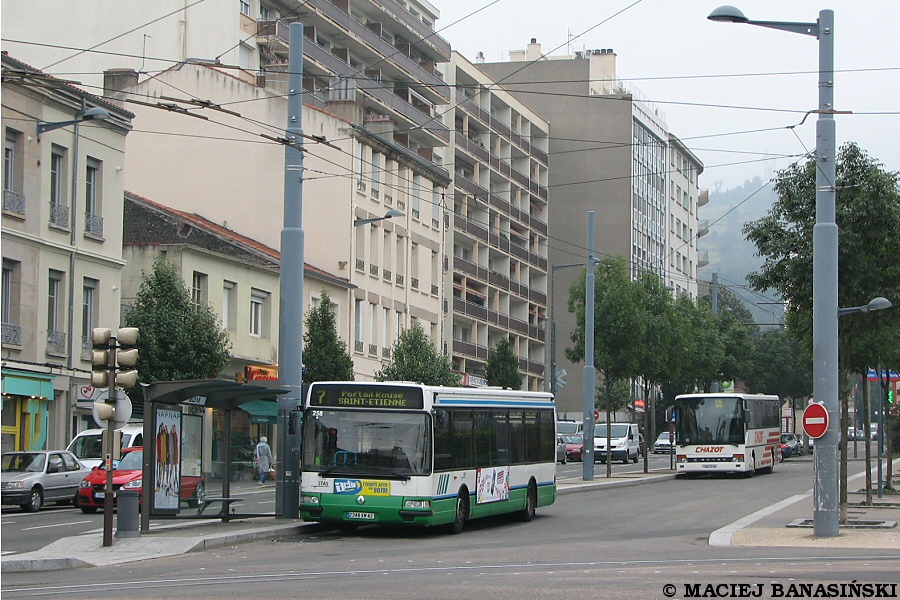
column 564, row 489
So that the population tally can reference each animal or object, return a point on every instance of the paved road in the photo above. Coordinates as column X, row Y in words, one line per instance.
column 618, row 543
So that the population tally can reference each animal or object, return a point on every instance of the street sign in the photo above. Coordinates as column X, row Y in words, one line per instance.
column 596, row 416
column 815, row 420
column 561, row 379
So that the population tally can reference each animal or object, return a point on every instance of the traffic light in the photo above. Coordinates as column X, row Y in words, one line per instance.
column 100, row 357
column 126, row 357
column 890, row 396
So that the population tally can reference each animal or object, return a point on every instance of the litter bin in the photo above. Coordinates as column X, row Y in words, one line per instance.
column 128, row 519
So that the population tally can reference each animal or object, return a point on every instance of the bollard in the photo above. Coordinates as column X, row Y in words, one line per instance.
column 128, row 517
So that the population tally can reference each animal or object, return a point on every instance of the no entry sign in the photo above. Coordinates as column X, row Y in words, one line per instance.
column 815, row 420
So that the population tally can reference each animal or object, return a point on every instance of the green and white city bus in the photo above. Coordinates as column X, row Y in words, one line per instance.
column 412, row 454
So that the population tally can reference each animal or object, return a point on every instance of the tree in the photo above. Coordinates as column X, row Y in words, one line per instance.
column 503, row 366
column 178, row 338
column 415, row 358
column 325, row 356
column 867, row 215
column 618, row 329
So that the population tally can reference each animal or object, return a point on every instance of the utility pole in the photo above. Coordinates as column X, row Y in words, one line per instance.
column 714, row 386
column 290, row 318
column 590, row 373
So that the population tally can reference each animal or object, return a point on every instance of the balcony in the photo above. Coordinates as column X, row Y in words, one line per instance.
column 468, row 349
column 12, row 335
column 274, row 35
column 702, row 259
column 56, row 343
column 473, row 108
column 703, row 198
column 59, row 215
column 93, row 225
column 703, row 228
column 385, row 99
column 13, row 202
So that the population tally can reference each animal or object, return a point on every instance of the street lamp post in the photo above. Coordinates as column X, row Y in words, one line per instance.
column 553, row 384
column 825, row 265
column 388, row 215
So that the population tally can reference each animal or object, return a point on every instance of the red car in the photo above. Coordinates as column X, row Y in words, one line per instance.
column 574, row 446
column 128, row 475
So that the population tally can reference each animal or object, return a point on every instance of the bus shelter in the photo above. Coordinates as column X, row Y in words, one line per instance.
column 171, row 434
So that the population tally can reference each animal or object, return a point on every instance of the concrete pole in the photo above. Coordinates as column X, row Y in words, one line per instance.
column 590, row 374
column 290, row 318
column 714, row 386
column 826, row 516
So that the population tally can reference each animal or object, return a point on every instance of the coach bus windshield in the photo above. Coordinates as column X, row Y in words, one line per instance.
column 389, row 445
column 709, row 420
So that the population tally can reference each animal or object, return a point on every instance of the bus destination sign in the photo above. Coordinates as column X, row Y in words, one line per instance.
column 367, row 396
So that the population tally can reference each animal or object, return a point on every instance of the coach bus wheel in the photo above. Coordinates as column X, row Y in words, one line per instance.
column 462, row 511
column 527, row 513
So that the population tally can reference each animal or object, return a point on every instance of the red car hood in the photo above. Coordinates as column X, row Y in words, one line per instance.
column 98, row 476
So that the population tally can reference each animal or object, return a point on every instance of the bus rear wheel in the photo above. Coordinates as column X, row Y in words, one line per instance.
column 527, row 513
column 462, row 512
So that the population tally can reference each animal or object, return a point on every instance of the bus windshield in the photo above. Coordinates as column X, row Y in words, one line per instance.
column 709, row 420
column 372, row 443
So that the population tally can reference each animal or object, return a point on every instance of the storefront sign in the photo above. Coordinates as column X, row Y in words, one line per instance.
column 260, row 374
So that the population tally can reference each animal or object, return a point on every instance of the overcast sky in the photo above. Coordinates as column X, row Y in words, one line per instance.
column 716, row 78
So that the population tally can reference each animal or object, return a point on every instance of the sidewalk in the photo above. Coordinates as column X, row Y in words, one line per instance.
column 768, row 527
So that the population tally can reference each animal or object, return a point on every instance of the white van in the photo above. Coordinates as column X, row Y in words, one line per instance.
column 88, row 445
column 624, row 441
column 569, row 427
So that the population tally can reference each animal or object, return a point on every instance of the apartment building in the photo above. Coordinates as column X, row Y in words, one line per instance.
column 685, row 229
column 234, row 275
column 62, row 249
column 211, row 119
column 498, row 229
column 610, row 152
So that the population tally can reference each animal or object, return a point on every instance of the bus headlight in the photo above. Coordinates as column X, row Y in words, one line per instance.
column 681, row 458
column 417, row 504
column 309, row 499
column 737, row 458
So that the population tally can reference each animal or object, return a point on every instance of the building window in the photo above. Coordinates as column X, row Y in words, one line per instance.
column 89, row 312
column 245, row 8
column 436, row 207
column 376, row 173
column 244, row 58
column 358, row 326
column 259, row 301
column 92, row 197
column 12, row 167
column 54, row 303
column 59, row 211
column 417, row 196
column 12, row 331
column 265, row 13
column 228, row 305
column 199, row 288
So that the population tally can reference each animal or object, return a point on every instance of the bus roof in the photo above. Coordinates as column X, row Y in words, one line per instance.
column 728, row 395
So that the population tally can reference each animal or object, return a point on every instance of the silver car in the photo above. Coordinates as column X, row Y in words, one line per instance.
column 29, row 479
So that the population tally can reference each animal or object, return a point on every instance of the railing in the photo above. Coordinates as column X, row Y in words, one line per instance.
column 373, row 270
column 12, row 334
column 87, row 348
column 59, row 215
column 13, row 202
column 415, row 283
column 385, row 352
column 93, row 224
column 472, row 107
column 434, row 290
column 360, row 264
column 399, row 279
column 56, row 342
column 429, row 36
column 386, row 275
column 384, row 47
column 373, row 350
column 357, row 346
column 378, row 92
column 468, row 349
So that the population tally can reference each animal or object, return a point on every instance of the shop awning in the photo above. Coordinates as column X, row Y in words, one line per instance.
column 25, row 383
column 261, row 411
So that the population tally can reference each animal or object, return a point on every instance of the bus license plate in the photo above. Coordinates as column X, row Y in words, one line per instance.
column 366, row 516
column 709, row 466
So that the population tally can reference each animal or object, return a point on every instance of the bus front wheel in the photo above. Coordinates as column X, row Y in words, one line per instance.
column 462, row 512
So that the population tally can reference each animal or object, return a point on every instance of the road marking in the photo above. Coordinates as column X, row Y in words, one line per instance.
column 56, row 525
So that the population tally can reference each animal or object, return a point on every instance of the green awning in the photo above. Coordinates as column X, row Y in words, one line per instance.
column 261, row 411
column 24, row 383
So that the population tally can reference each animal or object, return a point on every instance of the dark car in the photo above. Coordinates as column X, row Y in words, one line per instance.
column 574, row 446
column 792, row 440
column 128, row 475
column 31, row 478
